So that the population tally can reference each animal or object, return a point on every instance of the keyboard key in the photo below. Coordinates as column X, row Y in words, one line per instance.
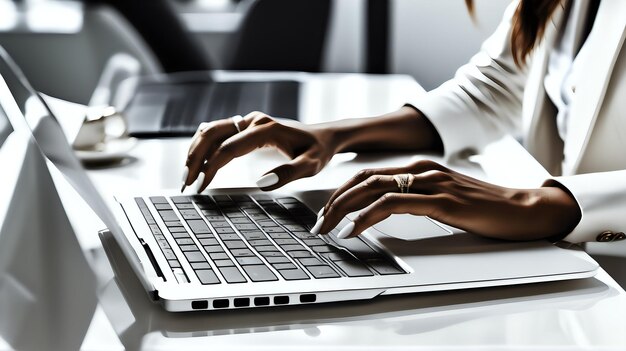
column 384, row 267
column 163, row 206
column 215, row 218
column 280, row 266
column 236, row 215
column 174, row 263
column 266, row 223
column 357, row 247
column 224, row 263
column 169, row 254
column 296, row 247
column 286, row 241
column 225, row 230
column 220, row 224
column 311, row 261
column 168, row 215
column 207, row 276
column 190, row 214
column 274, row 230
column 324, row 248
column 229, row 236
column 277, row 259
column 305, row 235
column 189, row 247
column 213, row 248
column 295, row 228
column 353, row 269
column 200, row 265
column 265, row 248
column 178, row 230
column 241, row 252
column 194, row 256
column 241, row 220
column 282, row 235
column 268, row 254
column 232, row 275
column 259, row 242
column 244, row 261
column 314, row 242
column 259, row 273
column 245, row 226
column 205, row 236
column 339, row 256
column 180, row 235
column 156, row 199
column 322, row 272
column 181, row 199
column 299, row 254
column 253, row 235
column 288, row 200
column 235, row 244
column 218, row 256
column 208, row 242
column 198, row 226
column 163, row 244
column 212, row 213
column 184, row 206
column 293, row 274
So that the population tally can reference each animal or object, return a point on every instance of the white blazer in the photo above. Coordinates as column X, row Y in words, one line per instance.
column 490, row 96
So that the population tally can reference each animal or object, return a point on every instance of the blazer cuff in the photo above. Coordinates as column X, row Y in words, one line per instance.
column 458, row 129
column 600, row 197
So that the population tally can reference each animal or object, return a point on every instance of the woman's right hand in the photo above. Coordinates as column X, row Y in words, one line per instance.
column 217, row 143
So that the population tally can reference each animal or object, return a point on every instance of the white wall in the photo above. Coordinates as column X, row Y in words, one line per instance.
column 431, row 39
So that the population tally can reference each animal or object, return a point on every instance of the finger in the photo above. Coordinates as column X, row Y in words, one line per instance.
column 366, row 192
column 393, row 203
column 203, row 143
column 415, row 168
column 302, row 166
column 238, row 145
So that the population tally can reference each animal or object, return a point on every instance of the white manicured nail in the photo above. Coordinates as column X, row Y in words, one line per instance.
column 318, row 225
column 346, row 231
column 184, row 181
column 199, row 181
column 267, row 180
column 320, row 213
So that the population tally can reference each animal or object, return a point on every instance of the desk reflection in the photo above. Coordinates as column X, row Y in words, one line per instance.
column 134, row 316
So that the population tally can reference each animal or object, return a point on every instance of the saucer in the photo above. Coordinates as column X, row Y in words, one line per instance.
column 111, row 150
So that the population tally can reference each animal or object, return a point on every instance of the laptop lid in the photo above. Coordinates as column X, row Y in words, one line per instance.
column 20, row 103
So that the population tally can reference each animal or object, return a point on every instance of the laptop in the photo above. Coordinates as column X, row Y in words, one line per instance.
column 241, row 248
column 175, row 104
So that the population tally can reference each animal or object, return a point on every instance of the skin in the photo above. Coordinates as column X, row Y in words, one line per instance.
column 548, row 212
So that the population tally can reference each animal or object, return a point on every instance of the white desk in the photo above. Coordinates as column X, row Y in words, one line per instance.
column 105, row 307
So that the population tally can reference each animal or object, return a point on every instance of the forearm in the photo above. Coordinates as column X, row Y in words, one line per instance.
column 406, row 129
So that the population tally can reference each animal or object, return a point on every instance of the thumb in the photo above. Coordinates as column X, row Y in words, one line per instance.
column 300, row 167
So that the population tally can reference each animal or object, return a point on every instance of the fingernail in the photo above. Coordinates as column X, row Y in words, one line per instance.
column 184, row 181
column 267, row 180
column 318, row 225
column 199, row 182
column 320, row 213
column 346, row 231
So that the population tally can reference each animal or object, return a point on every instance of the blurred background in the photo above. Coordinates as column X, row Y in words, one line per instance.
column 63, row 46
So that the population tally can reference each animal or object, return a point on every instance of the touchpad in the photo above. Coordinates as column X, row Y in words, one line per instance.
column 409, row 227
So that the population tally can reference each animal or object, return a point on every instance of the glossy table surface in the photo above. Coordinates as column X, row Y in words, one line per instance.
column 88, row 297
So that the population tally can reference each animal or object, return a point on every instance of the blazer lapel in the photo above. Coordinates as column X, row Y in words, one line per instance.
column 605, row 42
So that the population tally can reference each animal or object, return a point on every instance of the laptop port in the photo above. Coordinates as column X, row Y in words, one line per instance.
column 307, row 298
column 200, row 304
column 242, row 302
column 261, row 301
column 221, row 303
column 281, row 300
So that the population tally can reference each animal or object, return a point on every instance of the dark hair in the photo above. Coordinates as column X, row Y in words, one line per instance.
column 529, row 24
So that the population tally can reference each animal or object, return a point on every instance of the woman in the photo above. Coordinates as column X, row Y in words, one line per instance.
column 550, row 72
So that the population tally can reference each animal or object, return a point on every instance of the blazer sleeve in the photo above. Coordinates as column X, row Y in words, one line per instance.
column 602, row 200
column 483, row 101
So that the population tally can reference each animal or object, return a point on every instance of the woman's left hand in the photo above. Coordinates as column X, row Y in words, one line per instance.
column 454, row 199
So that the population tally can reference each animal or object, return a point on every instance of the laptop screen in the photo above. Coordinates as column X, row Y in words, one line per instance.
column 48, row 135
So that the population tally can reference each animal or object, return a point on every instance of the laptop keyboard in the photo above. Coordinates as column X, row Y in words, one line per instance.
column 238, row 238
